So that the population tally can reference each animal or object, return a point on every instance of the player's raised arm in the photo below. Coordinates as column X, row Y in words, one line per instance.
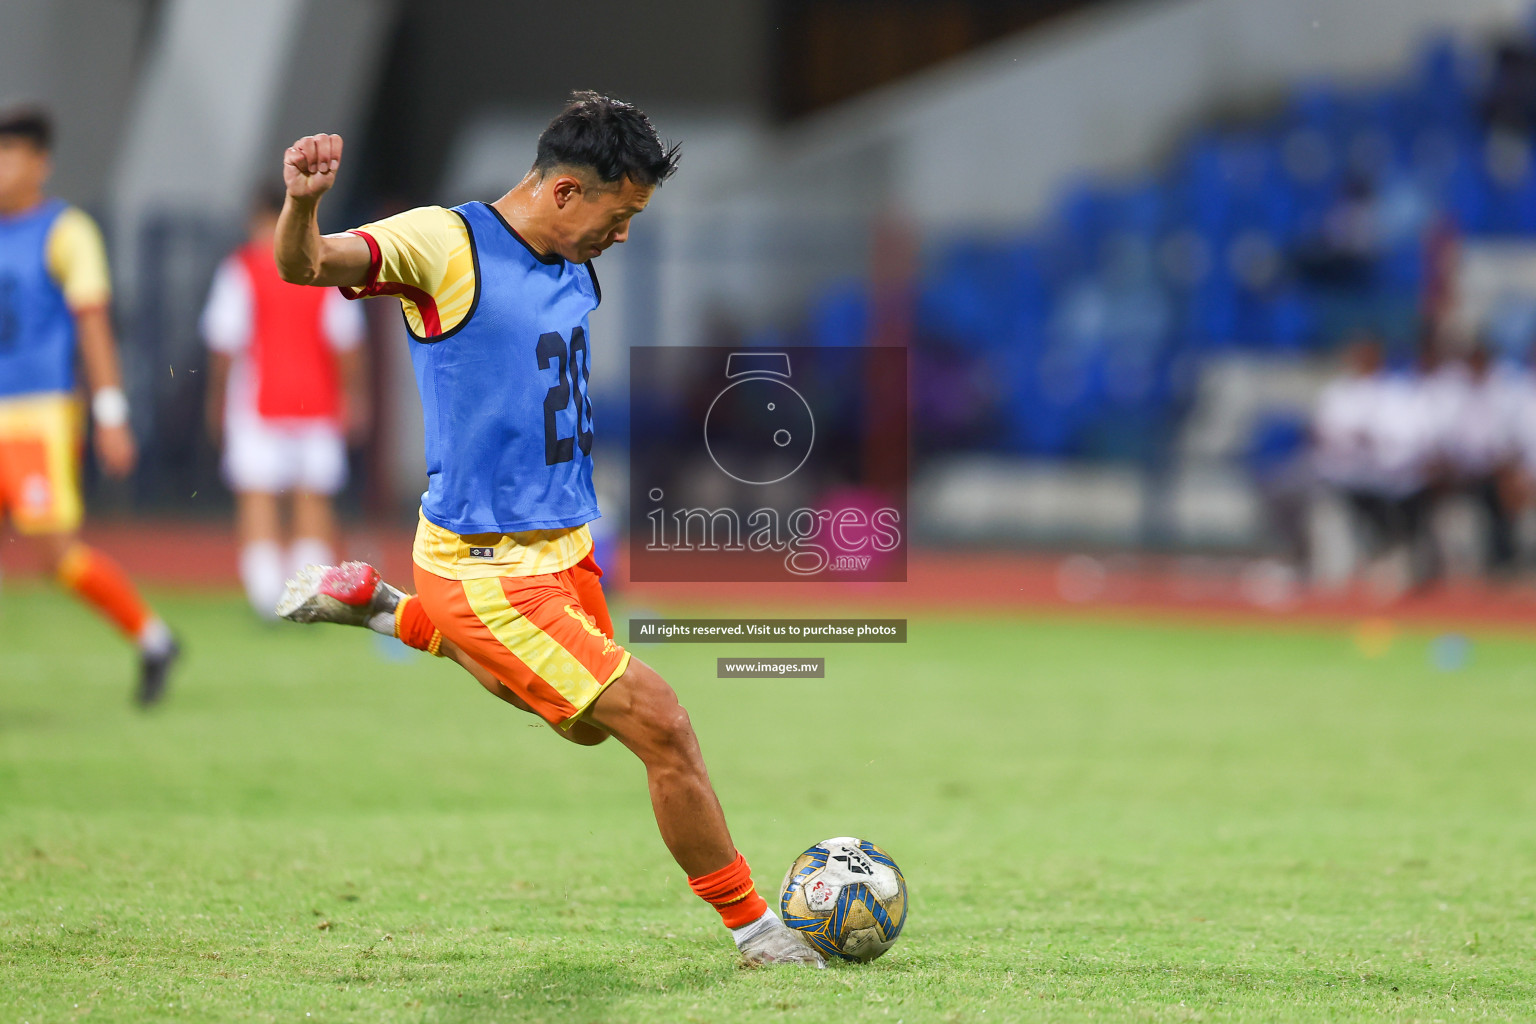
column 304, row 256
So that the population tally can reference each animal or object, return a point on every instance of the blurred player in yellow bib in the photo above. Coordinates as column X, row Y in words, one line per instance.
column 54, row 292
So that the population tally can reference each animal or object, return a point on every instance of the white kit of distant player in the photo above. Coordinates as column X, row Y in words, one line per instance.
column 288, row 453
column 289, row 358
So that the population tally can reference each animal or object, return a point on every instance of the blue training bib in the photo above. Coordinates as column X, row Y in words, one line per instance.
column 504, row 394
column 37, row 330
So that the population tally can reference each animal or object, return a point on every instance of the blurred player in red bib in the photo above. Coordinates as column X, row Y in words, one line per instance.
column 285, row 379
column 496, row 298
column 54, row 294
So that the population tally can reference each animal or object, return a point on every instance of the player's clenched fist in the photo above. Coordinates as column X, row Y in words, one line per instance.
column 310, row 165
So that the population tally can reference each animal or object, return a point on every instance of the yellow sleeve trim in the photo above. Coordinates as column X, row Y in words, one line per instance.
column 425, row 258
column 77, row 260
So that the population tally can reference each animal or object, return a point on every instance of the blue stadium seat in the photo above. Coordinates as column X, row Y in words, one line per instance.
column 1013, row 304
column 1292, row 321
column 841, row 316
column 1466, row 194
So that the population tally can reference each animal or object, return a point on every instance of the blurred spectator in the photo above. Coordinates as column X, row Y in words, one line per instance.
column 1282, row 469
column 1519, row 482
column 1374, row 446
column 1509, row 103
column 1340, row 429
column 1474, row 412
column 1395, row 445
column 1344, row 252
column 285, row 374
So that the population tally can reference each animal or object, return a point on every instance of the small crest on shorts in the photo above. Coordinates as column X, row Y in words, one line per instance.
column 482, row 552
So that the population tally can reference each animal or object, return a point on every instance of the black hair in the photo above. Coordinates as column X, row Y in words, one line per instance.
column 28, row 121
column 611, row 138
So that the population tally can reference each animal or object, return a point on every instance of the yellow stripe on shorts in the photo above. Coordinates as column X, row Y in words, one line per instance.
column 535, row 648
column 54, row 419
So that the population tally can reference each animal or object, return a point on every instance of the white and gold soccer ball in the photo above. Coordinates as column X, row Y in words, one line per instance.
column 847, row 897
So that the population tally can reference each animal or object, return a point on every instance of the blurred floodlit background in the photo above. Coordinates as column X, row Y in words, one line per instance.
column 1129, row 244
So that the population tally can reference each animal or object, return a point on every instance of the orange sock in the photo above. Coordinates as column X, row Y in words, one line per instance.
column 414, row 628
column 101, row 583
column 731, row 892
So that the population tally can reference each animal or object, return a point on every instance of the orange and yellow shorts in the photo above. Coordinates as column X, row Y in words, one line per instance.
column 40, row 463
column 548, row 638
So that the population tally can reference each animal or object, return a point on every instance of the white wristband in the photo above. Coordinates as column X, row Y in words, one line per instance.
column 110, row 406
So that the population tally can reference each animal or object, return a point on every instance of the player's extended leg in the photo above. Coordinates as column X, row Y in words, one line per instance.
column 636, row 705
column 39, row 481
column 353, row 594
column 263, row 567
column 643, row 712
column 583, row 734
column 102, row 584
column 541, row 639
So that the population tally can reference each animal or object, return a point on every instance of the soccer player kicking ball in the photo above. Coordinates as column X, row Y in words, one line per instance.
column 496, row 298
column 54, row 292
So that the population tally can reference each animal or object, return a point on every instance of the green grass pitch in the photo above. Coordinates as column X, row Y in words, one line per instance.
column 1098, row 820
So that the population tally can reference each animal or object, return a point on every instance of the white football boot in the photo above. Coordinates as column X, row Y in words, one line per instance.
column 352, row 594
column 770, row 941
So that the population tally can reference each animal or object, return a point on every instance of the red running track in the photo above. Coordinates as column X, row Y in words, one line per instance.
column 201, row 554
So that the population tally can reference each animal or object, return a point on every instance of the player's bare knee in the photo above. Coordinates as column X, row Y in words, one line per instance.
column 673, row 730
column 643, row 711
column 662, row 717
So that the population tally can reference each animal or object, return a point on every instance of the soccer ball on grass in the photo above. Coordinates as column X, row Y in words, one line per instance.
column 847, row 897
